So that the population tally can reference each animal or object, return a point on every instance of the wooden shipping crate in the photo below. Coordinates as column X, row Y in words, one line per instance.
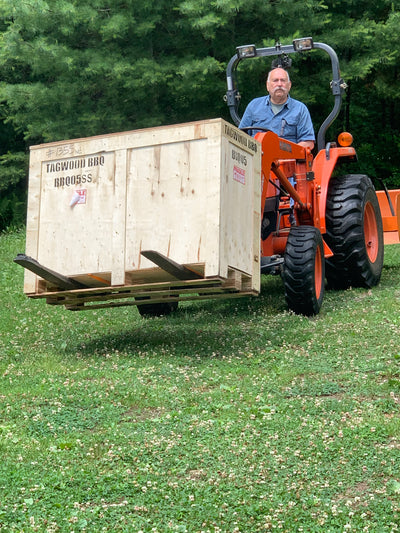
column 188, row 191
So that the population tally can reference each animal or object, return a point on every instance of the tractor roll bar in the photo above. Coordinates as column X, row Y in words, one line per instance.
column 338, row 86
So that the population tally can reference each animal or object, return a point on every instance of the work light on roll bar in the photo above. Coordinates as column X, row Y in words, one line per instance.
column 248, row 50
column 301, row 45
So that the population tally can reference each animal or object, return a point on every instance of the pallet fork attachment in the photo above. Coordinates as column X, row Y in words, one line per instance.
column 61, row 281
column 175, row 269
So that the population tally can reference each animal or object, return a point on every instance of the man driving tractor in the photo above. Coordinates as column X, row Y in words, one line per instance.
column 280, row 113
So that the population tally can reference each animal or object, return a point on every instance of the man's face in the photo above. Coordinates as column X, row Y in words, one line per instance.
column 278, row 86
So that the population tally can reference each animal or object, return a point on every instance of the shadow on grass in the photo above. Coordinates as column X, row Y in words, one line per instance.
column 203, row 328
column 224, row 327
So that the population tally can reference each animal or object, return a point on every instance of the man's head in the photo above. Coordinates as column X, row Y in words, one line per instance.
column 278, row 85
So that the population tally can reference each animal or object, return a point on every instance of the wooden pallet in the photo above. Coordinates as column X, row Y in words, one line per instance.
column 236, row 285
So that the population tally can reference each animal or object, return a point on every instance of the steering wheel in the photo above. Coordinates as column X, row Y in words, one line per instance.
column 259, row 128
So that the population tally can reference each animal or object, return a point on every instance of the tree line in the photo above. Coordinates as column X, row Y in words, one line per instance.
column 74, row 69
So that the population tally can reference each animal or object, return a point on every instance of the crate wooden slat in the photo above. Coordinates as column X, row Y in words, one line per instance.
column 188, row 191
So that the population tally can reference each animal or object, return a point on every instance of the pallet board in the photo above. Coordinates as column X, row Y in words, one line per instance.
column 234, row 286
column 187, row 192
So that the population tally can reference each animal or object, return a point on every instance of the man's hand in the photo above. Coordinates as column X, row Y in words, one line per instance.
column 307, row 144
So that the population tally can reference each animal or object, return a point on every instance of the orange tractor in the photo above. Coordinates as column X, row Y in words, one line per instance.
column 157, row 216
column 316, row 223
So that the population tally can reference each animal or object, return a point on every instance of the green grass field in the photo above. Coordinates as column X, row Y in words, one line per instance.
column 227, row 416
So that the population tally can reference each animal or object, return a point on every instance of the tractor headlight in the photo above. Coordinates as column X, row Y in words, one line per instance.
column 300, row 45
column 249, row 50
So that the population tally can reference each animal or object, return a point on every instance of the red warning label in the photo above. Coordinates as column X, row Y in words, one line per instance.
column 239, row 174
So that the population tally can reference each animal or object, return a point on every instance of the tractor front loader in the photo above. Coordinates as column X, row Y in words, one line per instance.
column 316, row 223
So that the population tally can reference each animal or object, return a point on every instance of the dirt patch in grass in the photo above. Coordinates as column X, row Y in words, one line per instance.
column 356, row 495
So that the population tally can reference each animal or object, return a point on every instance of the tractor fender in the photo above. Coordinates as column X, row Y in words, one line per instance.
column 323, row 167
column 398, row 214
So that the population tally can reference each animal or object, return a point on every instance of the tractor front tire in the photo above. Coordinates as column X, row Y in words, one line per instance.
column 354, row 232
column 304, row 270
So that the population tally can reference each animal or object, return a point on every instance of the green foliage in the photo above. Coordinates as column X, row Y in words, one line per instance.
column 12, row 209
column 13, row 171
column 10, row 164
column 93, row 69
column 74, row 69
column 229, row 415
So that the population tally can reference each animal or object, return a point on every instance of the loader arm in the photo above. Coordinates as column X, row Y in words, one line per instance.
column 274, row 150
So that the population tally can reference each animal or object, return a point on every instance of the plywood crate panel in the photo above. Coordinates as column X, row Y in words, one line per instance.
column 189, row 191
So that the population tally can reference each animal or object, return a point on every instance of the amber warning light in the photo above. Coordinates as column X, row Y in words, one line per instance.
column 345, row 139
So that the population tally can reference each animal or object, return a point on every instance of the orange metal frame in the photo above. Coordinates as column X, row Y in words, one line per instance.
column 283, row 160
column 390, row 221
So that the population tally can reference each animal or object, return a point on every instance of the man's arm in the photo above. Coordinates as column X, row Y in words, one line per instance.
column 305, row 129
column 247, row 119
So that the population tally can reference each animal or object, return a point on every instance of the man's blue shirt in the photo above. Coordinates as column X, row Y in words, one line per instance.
column 293, row 122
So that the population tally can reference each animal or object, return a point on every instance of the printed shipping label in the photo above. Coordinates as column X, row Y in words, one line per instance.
column 79, row 197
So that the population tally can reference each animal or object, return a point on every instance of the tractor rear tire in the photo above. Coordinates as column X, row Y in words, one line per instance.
column 304, row 270
column 354, row 232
